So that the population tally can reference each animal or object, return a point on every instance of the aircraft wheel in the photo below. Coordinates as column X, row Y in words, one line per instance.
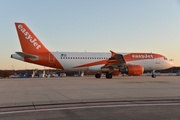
column 108, row 76
column 97, row 75
column 153, row 75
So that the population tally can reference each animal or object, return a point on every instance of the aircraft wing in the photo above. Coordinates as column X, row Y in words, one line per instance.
column 115, row 61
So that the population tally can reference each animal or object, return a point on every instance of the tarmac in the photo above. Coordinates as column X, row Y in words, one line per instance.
column 127, row 97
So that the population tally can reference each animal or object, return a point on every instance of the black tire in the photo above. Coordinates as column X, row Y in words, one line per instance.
column 108, row 76
column 98, row 75
column 153, row 76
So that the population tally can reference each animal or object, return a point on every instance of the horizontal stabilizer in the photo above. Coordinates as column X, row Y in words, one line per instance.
column 30, row 56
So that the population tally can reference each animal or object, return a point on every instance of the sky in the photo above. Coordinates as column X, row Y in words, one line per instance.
column 92, row 26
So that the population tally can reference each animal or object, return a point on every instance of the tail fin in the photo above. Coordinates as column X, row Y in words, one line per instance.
column 29, row 42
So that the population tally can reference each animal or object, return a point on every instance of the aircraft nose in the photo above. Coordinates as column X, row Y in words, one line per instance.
column 171, row 62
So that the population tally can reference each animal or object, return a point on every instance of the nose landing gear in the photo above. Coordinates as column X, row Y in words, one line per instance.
column 153, row 74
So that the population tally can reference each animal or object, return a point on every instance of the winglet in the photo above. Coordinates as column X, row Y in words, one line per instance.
column 112, row 53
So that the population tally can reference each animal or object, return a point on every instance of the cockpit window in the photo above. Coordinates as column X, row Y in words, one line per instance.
column 165, row 58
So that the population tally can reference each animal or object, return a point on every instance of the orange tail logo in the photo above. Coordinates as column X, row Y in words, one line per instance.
column 29, row 42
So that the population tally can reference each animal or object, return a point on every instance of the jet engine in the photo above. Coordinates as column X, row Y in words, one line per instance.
column 132, row 70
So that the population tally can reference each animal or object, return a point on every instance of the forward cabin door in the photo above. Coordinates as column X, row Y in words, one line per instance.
column 157, row 60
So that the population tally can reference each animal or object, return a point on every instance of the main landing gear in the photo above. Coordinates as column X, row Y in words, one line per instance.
column 153, row 74
column 98, row 75
column 108, row 75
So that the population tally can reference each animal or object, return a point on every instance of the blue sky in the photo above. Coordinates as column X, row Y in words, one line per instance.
column 92, row 26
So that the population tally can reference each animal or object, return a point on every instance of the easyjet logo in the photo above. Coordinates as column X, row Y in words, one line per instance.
column 29, row 37
column 145, row 56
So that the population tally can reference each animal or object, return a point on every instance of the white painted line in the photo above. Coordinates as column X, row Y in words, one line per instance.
column 82, row 107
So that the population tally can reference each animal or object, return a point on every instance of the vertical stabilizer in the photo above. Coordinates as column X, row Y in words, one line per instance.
column 33, row 50
column 29, row 42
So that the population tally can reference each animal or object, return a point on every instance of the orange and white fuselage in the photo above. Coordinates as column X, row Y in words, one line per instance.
column 33, row 51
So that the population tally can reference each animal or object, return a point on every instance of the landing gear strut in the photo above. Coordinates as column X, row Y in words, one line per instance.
column 153, row 74
column 108, row 75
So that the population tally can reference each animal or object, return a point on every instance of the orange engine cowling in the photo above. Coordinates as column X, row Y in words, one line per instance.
column 135, row 70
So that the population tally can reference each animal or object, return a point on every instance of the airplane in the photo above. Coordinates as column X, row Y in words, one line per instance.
column 110, row 64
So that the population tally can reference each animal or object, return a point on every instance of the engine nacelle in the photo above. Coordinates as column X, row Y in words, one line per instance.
column 134, row 70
